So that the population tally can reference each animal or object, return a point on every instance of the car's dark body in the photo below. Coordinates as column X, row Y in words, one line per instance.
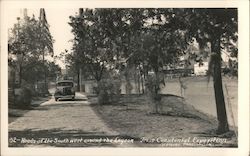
column 64, row 90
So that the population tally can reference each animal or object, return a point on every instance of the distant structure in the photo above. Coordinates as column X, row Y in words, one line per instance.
column 200, row 69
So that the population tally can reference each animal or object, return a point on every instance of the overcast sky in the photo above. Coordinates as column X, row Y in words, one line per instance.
column 58, row 20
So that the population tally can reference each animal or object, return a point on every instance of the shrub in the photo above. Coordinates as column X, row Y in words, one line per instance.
column 23, row 98
column 154, row 84
column 108, row 91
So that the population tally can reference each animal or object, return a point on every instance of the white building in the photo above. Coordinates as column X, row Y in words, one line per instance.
column 200, row 69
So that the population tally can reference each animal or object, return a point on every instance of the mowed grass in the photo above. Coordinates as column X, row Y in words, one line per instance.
column 132, row 116
column 200, row 94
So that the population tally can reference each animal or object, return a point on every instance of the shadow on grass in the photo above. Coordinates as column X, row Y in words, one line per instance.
column 125, row 115
column 62, row 138
column 213, row 133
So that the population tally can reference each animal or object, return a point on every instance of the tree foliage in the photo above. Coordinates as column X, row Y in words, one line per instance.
column 29, row 40
column 105, row 36
column 219, row 28
column 151, row 39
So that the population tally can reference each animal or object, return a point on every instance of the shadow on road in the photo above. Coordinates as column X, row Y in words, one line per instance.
column 72, row 99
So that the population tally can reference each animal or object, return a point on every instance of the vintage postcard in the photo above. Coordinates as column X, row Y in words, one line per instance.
column 125, row 77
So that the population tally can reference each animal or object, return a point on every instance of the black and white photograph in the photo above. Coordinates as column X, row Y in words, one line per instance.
column 123, row 77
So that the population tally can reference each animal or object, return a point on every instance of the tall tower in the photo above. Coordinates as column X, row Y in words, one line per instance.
column 47, row 42
column 24, row 14
column 45, row 27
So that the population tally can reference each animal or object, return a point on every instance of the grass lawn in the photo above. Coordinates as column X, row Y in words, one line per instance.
column 179, row 125
column 200, row 94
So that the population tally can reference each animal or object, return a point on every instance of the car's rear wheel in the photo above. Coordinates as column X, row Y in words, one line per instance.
column 73, row 98
column 56, row 99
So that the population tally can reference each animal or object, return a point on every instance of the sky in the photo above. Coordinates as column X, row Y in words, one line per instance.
column 57, row 19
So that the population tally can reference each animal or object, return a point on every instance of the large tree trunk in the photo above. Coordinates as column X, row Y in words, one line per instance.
column 157, row 96
column 218, row 89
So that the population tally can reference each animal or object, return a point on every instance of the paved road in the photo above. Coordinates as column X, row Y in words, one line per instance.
column 62, row 120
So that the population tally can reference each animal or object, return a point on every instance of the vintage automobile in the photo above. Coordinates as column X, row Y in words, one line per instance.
column 64, row 90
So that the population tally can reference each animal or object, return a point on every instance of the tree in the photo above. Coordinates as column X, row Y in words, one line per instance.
column 32, row 71
column 27, row 45
column 53, row 70
column 147, row 38
column 74, row 64
column 151, row 39
column 219, row 28
column 164, row 42
column 21, row 43
column 95, row 40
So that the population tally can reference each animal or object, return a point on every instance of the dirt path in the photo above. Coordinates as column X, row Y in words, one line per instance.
column 59, row 120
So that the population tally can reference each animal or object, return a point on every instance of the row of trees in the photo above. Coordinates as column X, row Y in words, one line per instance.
column 150, row 39
column 29, row 43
